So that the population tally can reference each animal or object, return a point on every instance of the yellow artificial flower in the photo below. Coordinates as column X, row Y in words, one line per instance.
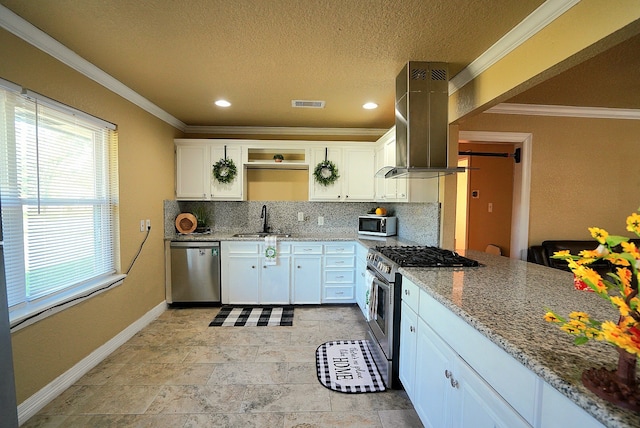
column 578, row 325
column 562, row 254
column 581, row 316
column 633, row 223
column 593, row 333
column 570, row 329
column 625, row 277
column 589, row 254
column 630, row 247
column 621, row 304
column 617, row 260
column 598, row 234
column 551, row 317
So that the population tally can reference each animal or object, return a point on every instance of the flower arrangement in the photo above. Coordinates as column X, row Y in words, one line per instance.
column 620, row 289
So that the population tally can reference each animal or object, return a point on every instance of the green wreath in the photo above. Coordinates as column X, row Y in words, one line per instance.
column 224, row 170
column 326, row 173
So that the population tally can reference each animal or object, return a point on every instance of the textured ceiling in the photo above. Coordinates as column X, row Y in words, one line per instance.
column 261, row 54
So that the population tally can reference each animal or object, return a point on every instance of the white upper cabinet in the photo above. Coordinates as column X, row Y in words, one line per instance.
column 232, row 191
column 356, row 169
column 400, row 189
column 194, row 171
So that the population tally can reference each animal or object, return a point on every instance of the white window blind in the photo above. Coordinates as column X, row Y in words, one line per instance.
column 59, row 196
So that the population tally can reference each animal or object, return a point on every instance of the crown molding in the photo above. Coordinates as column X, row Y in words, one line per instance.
column 41, row 40
column 540, row 18
column 285, row 130
column 565, row 111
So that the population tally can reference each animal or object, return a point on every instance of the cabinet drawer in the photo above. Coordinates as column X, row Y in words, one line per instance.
column 339, row 276
column 410, row 294
column 340, row 248
column 339, row 293
column 244, row 247
column 339, row 261
column 307, row 248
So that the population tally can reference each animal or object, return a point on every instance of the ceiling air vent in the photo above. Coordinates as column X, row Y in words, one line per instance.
column 307, row 104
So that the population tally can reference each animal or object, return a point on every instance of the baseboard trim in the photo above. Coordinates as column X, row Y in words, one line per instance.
column 37, row 401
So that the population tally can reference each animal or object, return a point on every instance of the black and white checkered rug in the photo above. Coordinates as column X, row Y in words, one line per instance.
column 260, row 316
column 348, row 366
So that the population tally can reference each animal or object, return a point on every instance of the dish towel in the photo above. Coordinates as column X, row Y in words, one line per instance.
column 270, row 250
column 370, row 295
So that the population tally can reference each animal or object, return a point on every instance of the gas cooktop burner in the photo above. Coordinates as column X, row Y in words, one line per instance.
column 423, row 256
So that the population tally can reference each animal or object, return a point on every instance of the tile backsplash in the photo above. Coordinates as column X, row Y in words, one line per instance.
column 418, row 222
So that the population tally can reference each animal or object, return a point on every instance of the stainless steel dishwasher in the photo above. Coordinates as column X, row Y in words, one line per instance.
column 195, row 272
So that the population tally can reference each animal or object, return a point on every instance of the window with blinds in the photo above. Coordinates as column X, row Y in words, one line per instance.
column 58, row 188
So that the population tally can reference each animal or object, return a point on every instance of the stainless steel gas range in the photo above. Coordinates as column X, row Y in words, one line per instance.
column 384, row 326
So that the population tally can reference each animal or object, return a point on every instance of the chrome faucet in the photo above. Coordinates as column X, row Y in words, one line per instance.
column 263, row 216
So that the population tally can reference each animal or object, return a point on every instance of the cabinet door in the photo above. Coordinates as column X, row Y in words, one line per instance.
column 434, row 368
column 243, row 280
column 332, row 192
column 274, row 282
column 408, row 342
column 307, row 279
column 226, row 191
column 192, row 176
column 391, row 184
column 477, row 405
column 359, row 170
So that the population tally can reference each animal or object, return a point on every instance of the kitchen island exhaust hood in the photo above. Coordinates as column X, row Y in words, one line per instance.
column 422, row 125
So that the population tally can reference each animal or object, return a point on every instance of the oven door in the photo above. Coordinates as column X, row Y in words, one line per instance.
column 381, row 324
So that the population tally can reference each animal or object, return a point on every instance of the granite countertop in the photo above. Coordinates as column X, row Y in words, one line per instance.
column 368, row 241
column 506, row 300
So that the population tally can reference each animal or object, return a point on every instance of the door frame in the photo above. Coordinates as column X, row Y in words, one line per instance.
column 521, row 183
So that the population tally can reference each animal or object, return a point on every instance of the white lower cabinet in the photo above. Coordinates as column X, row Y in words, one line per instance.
column 247, row 279
column 456, row 377
column 306, row 273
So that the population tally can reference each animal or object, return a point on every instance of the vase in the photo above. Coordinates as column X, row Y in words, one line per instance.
column 618, row 386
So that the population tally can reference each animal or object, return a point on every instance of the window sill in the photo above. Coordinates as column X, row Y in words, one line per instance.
column 33, row 312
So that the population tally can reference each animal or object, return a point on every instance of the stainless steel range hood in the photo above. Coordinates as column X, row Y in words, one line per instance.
column 422, row 124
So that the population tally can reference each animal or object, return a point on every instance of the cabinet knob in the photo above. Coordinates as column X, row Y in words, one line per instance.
column 406, row 292
column 253, row 267
column 412, row 329
column 264, row 267
column 347, row 196
column 448, row 374
column 299, row 267
column 454, row 383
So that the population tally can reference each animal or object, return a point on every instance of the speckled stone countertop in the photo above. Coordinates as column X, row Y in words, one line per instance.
column 505, row 300
column 367, row 241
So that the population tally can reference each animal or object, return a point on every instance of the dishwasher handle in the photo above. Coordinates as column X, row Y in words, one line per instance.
column 193, row 244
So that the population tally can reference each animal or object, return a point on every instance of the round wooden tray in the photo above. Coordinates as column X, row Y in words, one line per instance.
column 186, row 223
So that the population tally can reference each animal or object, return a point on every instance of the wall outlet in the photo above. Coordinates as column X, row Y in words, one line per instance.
column 141, row 225
column 148, row 224
column 320, row 221
column 300, row 216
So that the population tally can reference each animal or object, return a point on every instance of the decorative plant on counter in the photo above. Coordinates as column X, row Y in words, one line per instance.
column 224, row 170
column 618, row 386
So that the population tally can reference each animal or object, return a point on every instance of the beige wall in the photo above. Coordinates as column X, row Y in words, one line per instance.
column 584, row 172
column 48, row 348
column 492, row 177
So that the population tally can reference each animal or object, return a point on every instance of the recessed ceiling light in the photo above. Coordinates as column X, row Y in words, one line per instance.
column 223, row 103
column 369, row 106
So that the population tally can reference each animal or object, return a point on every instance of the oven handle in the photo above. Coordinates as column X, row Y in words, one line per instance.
column 377, row 280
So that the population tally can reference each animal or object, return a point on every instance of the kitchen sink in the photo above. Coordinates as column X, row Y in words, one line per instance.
column 261, row 235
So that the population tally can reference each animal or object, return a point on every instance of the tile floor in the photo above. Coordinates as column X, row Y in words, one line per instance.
column 179, row 372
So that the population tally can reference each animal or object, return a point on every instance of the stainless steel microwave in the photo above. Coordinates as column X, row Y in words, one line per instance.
column 377, row 225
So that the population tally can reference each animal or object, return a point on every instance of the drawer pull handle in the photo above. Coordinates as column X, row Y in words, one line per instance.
column 406, row 292
column 340, row 277
column 412, row 329
column 340, row 262
column 340, row 292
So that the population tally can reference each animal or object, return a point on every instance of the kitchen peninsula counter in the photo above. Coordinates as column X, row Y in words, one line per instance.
column 506, row 299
